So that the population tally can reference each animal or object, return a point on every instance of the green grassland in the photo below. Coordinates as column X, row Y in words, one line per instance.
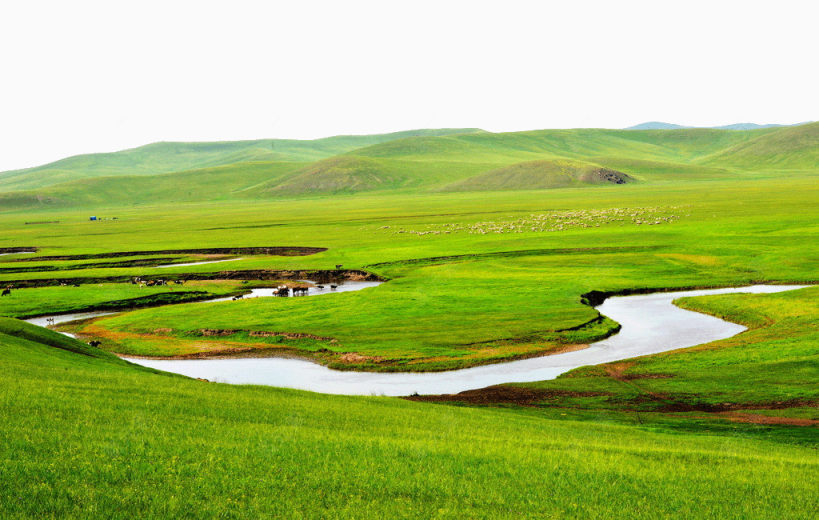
column 88, row 435
column 506, row 291
column 473, row 275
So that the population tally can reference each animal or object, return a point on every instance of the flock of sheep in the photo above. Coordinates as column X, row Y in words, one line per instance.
column 554, row 221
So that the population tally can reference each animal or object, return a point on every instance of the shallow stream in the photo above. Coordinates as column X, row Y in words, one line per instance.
column 651, row 323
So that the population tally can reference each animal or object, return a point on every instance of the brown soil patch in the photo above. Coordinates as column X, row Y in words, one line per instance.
column 753, row 418
column 501, row 394
column 616, row 370
column 288, row 335
column 217, row 332
column 355, row 358
column 681, row 406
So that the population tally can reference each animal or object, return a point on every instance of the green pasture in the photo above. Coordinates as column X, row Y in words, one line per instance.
column 87, row 435
column 470, row 277
column 469, row 280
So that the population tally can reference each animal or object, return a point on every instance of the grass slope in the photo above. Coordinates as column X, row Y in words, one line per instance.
column 340, row 175
column 85, row 435
column 795, row 147
column 169, row 157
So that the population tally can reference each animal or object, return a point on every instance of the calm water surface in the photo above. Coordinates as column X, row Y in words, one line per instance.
column 650, row 324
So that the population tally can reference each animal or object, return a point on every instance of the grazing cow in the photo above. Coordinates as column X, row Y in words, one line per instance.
column 6, row 292
column 339, row 266
column 95, row 343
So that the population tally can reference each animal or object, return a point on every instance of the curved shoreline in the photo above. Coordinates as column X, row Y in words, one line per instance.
column 682, row 329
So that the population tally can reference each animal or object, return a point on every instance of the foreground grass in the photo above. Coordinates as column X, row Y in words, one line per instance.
column 87, row 436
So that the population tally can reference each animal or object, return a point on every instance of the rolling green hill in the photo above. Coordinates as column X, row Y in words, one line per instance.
column 206, row 184
column 420, row 161
column 343, row 174
column 168, row 157
column 795, row 147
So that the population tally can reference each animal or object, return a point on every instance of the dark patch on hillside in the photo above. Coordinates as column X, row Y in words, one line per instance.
column 539, row 175
column 605, row 175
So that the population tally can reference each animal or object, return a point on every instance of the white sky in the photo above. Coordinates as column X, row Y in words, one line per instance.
column 85, row 76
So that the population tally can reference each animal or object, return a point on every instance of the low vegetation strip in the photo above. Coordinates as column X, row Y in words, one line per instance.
column 272, row 251
column 322, row 275
column 146, row 262
column 152, row 300
column 513, row 254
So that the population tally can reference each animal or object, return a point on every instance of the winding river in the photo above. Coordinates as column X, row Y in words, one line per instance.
column 651, row 323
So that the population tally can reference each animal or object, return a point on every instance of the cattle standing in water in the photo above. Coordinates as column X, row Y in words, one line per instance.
column 320, row 287
column 239, row 297
column 333, row 286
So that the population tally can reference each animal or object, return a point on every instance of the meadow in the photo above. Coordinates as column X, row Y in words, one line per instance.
column 88, row 435
column 475, row 272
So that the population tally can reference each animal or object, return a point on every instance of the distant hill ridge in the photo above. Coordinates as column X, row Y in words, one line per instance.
column 659, row 125
column 419, row 161
column 166, row 157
